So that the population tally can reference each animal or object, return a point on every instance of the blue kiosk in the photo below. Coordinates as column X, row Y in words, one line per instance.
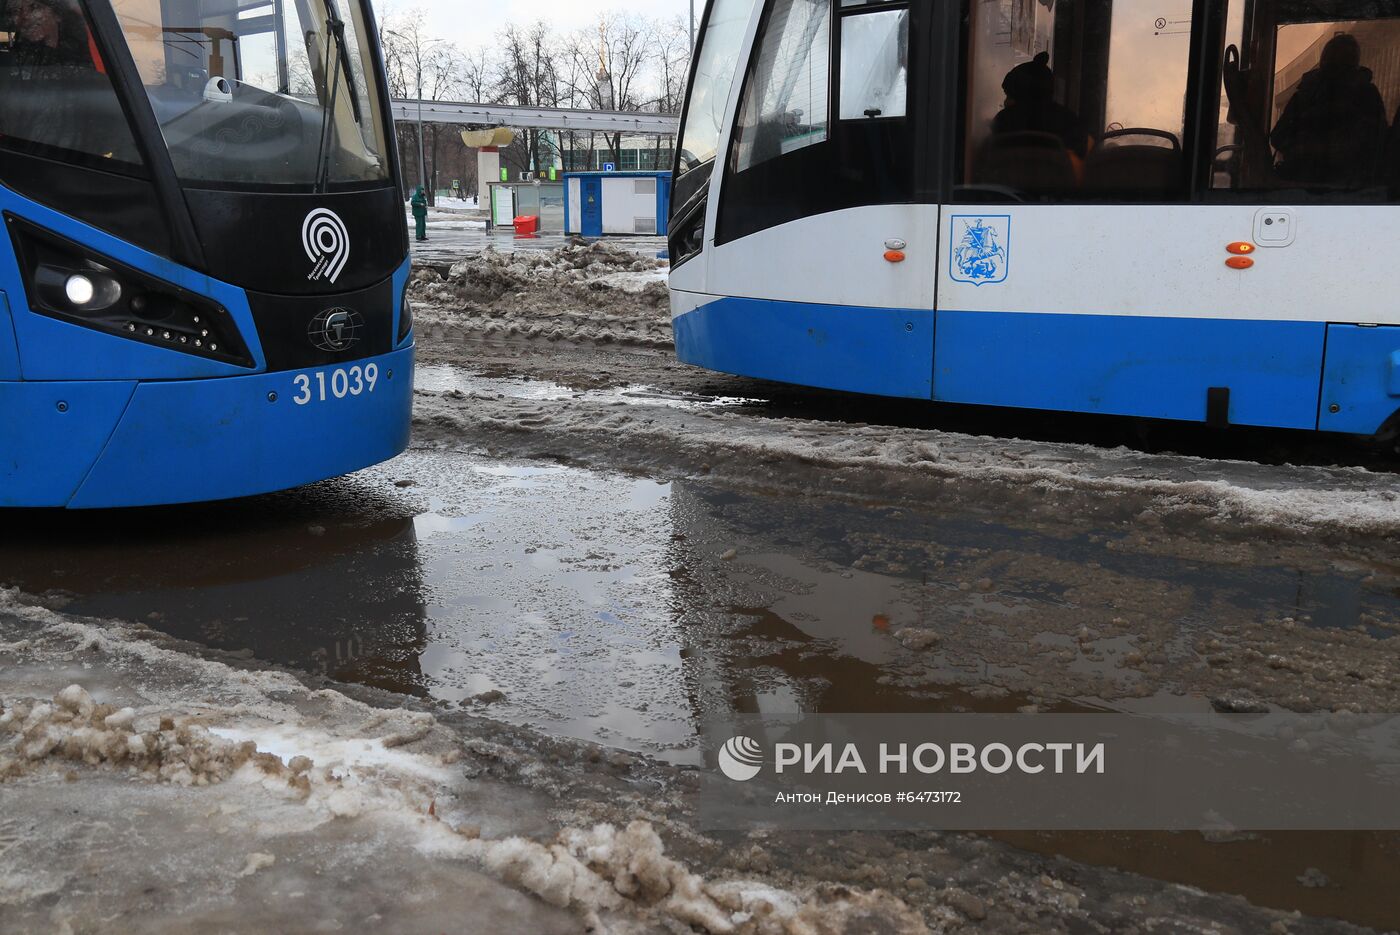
column 605, row 203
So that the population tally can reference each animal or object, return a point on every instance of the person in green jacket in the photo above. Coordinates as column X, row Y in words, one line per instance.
column 420, row 213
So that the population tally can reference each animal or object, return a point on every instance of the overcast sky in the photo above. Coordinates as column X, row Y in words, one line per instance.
column 471, row 25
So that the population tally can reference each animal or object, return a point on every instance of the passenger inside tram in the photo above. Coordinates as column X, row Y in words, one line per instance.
column 1093, row 100
column 56, row 98
column 1333, row 129
column 45, row 33
column 1031, row 108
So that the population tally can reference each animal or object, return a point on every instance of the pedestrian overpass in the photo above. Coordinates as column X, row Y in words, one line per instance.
column 529, row 118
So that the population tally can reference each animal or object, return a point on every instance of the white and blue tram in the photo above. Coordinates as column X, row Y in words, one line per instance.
column 1179, row 209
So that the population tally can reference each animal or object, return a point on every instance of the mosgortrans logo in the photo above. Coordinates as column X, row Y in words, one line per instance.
column 741, row 758
column 326, row 242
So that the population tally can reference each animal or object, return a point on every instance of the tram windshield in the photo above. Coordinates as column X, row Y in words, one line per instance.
column 715, row 66
column 275, row 91
column 246, row 92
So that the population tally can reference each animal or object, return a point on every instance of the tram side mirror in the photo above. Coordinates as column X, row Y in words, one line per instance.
column 218, row 90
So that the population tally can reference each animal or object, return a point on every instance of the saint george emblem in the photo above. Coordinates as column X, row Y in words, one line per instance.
column 980, row 248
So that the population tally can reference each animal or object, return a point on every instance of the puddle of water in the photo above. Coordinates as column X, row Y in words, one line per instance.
column 442, row 378
column 627, row 610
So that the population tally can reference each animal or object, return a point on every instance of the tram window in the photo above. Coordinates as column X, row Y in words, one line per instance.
column 785, row 105
column 1076, row 100
column 55, row 96
column 1309, row 100
column 874, row 64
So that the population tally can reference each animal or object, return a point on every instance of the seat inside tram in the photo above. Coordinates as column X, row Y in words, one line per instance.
column 1094, row 100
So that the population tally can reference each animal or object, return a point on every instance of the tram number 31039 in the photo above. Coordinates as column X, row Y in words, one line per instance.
column 337, row 384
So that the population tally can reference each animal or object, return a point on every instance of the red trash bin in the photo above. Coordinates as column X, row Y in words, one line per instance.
column 526, row 226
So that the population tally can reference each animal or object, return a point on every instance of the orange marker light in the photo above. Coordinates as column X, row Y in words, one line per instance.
column 894, row 256
column 1241, row 247
column 1239, row 262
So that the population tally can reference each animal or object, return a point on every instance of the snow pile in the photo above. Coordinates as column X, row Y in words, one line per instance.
column 318, row 764
column 73, row 727
column 597, row 292
column 605, row 869
column 333, row 776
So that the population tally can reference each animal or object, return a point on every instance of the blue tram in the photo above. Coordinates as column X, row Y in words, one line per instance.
column 204, row 262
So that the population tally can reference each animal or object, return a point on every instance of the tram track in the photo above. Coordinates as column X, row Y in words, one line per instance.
column 638, row 410
column 640, row 372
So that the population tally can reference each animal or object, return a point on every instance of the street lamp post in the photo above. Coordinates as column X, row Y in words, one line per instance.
column 692, row 27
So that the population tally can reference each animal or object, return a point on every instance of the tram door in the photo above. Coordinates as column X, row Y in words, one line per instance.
column 1110, row 156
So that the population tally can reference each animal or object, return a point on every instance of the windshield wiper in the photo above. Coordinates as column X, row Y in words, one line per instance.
column 335, row 47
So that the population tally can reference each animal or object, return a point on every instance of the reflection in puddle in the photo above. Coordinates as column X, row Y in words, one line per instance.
column 626, row 610
column 283, row 577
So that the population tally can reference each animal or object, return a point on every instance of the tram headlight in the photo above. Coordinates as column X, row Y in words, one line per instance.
column 405, row 316
column 688, row 241
column 79, row 289
column 688, row 233
column 65, row 280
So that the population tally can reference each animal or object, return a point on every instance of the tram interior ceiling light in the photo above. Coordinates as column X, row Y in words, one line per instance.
column 73, row 284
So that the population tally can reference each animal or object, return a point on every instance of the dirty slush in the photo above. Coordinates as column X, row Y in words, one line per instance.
column 461, row 692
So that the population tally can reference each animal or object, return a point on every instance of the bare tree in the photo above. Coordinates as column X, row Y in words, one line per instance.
column 610, row 63
column 673, row 70
column 417, row 63
column 623, row 62
column 527, row 75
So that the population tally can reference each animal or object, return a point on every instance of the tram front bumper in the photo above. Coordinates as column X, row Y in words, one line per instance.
column 186, row 441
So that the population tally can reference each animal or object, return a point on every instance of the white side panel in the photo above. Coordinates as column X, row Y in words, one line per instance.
column 834, row 259
column 575, row 195
column 690, row 275
column 1169, row 260
column 683, row 302
column 619, row 207
column 505, row 207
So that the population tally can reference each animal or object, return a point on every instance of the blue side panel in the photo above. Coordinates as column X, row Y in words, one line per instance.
column 55, row 350
column 592, row 198
column 9, row 352
column 1362, row 378
column 199, row 440
column 50, row 435
column 663, row 205
column 888, row 352
column 1154, row 367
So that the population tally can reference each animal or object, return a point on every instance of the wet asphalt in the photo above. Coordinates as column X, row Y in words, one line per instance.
column 628, row 609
